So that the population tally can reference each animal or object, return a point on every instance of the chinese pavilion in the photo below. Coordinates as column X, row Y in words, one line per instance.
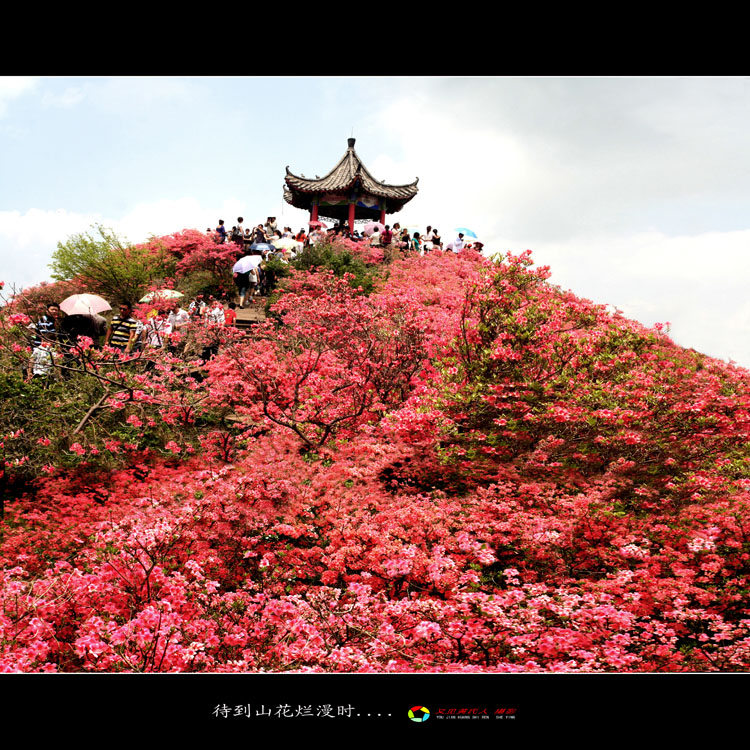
column 348, row 193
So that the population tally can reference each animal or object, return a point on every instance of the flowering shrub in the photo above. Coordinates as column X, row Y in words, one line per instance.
column 202, row 265
column 343, row 257
column 465, row 470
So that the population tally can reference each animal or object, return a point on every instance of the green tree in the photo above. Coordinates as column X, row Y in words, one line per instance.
column 108, row 265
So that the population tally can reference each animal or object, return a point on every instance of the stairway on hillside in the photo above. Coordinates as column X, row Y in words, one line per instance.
column 254, row 313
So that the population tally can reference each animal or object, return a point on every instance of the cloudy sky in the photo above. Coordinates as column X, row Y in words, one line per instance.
column 633, row 190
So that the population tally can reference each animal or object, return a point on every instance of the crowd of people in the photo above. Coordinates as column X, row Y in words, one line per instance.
column 57, row 337
column 376, row 234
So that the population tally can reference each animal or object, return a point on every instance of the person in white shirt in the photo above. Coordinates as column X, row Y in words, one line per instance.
column 177, row 318
column 214, row 315
column 458, row 244
column 427, row 240
column 214, row 318
column 156, row 331
column 43, row 358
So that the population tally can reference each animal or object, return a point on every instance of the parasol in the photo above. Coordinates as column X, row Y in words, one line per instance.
column 287, row 243
column 84, row 304
column 161, row 294
column 262, row 246
column 370, row 227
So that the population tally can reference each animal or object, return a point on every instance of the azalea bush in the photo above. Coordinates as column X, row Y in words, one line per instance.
column 342, row 257
column 202, row 265
column 463, row 469
column 97, row 409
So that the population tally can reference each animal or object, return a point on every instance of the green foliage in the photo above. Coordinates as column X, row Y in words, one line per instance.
column 206, row 283
column 340, row 261
column 108, row 266
column 26, row 416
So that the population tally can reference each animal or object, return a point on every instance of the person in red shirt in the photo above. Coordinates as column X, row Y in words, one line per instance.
column 230, row 316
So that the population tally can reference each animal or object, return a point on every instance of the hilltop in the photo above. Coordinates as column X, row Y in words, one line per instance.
column 441, row 463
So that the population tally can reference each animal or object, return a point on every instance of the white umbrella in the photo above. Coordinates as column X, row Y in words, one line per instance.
column 162, row 294
column 286, row 243
column 245, row 263
column 84, row 304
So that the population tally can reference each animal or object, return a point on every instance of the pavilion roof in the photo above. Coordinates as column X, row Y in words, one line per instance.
column 343, row 176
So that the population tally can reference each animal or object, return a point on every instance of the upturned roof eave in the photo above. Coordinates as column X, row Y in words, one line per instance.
column 352, row 164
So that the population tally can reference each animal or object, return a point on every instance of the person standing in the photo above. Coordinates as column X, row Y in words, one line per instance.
column 241, row 273
column 177, row 318
column 77, row 325
column 416, row 244
column 247, row 240
column 48, row 326
column 177, row 321
column 122, row 329
column 214, row 314
column 156, row 331
column 259, row 235
column 221, row 230
column 238, row 232
column 427, row 239
column 458, row 244
column 214, row 318
column 43, row 359
column 405, row 240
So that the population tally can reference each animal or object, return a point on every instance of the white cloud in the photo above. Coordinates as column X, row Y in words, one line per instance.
column 555, row 159
column 28, row 240
column 68, row 98
column 136, row 97
column 34, row 235
column 469, row 175
column 696, row 283
column 12, row 87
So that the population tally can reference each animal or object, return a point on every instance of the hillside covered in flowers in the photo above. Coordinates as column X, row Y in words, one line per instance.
column 457, row 468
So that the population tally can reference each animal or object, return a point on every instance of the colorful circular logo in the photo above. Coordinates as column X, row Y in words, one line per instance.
column 419, row 713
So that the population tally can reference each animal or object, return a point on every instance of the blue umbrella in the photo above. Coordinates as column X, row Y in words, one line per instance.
column 262, row 246
column 466, row 232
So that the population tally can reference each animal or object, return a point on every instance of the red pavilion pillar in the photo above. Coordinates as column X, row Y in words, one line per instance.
column 314, row 210
column 351, row 217
column 382, row 212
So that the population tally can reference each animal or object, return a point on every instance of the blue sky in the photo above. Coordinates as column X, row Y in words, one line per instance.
column 634, row 190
